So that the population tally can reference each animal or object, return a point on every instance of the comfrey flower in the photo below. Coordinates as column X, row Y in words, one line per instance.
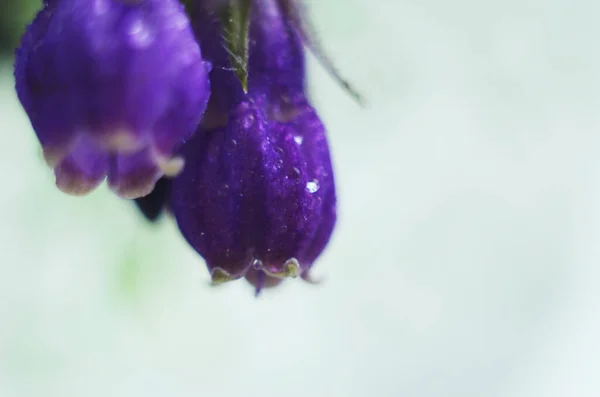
column 257, row 197
column 208, row 119
column 112, row 88
column 257, row 194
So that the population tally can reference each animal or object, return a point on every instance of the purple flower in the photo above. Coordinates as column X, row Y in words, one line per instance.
column 257, row 194
column 256, row 198
column 119, row 89
column 112, row 88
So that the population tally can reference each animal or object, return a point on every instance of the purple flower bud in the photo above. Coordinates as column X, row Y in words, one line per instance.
column 257, row 197
column 112, row 88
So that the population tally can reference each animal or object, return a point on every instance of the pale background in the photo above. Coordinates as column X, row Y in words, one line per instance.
column 465, row 262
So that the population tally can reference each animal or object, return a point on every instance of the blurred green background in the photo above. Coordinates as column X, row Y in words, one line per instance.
column 464, row 264
column 14, row 16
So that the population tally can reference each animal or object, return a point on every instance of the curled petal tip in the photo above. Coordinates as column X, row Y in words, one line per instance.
column 74, row 187
column 129, row 187
column 260, row 280
column 81, row 171
column 131, row 192
column 74, row 184
column 220, row 276
column 290, row 269
column 133, row 176
column 170, row 167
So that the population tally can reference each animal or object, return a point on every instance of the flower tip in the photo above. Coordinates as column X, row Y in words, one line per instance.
column 170, row 167
column 260, row 280
column 131, row 192
column 290, row 269
column 75, row 185
column 220, row 276
column 132, row 186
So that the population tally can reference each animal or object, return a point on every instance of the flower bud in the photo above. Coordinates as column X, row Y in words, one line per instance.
column 257, row 194
column 257, row 197
column 112, row 88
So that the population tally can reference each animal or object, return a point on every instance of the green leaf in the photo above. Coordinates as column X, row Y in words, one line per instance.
column 235, row 19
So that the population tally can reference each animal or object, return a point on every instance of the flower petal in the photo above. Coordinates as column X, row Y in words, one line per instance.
column 82, row 170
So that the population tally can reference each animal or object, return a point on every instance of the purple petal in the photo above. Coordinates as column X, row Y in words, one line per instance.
column 134, row 175
column 82, row 170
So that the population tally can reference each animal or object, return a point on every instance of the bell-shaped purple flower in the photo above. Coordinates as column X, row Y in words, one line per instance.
column 257, row 197
column 112, row 89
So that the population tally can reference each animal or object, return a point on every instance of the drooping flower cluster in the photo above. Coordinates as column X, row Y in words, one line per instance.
column 212, row 97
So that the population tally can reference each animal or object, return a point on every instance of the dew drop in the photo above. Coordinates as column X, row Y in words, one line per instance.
column 298, row 139
column 312, row 186
column 257, row 264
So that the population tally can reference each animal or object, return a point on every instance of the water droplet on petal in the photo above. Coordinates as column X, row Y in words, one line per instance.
column 312, row 186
